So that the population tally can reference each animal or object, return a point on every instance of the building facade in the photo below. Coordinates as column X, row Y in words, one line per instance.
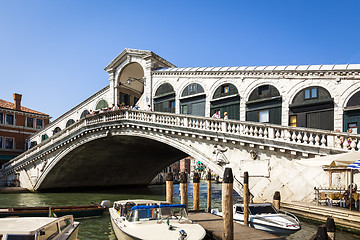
column 17, row 123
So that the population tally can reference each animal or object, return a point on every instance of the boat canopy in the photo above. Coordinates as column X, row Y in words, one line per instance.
column 172, row 205
column 144, row 207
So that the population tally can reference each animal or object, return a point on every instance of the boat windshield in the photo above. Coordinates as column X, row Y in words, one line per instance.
column 266, row 209
column 168, row 212
column 142, row 215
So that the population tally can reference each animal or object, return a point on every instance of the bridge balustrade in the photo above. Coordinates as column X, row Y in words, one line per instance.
column 231, row 128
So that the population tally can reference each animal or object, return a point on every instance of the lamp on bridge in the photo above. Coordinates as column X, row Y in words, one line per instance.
column 132, row 79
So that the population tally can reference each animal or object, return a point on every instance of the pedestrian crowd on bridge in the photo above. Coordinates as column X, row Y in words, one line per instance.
column 114, row 108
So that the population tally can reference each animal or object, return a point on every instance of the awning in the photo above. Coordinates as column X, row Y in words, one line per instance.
column 336, row 160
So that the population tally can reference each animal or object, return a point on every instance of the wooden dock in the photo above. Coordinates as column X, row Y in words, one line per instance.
column 343, row 217
column 214, row 224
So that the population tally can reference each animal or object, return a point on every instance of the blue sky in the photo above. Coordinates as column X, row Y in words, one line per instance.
column 54, row 52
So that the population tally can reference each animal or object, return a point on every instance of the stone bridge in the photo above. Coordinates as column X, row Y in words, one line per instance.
column 130, row 147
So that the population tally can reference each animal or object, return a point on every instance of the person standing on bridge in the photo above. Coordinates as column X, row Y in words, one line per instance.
column 148, row 108
column 216, row 114
column 226, row 117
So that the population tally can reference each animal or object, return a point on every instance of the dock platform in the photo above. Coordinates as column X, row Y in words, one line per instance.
column 343, row 217
column 214, row 224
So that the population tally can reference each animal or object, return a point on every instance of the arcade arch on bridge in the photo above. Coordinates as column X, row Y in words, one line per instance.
column 192, row 100
column 352, row 113
column 130, row 84
column 226, row 98
column 264, row 105
column 164, row 99
column 312, row 107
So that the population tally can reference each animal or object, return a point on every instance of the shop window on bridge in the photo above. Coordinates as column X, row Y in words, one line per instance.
column 1, row 118
column 352, row 113
column 56, row 130
column 292, row 121
column 44, row 137
column 313, row 107
column 164, row 99
column 264, row 105
column 70, row 122
column 1, row 142
column 192, row 100
column 226, row 99
column 102, row 104
column 33, row 144
column 84, row 113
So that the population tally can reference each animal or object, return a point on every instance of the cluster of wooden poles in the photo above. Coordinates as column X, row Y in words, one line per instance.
column 227, row 201
column 227, row 197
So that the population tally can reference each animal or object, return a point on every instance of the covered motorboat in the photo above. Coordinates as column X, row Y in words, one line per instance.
column 263, row 216
column 148, row 219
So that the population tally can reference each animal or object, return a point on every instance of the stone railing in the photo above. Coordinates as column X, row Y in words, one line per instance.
column 225, row 128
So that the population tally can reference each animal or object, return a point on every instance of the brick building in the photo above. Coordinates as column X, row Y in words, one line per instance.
column 17, row 123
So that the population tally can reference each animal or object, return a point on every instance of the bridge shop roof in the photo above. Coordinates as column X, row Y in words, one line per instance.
column 334, row 67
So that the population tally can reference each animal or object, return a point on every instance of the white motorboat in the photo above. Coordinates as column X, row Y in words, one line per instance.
column 39, row 228
column 148, row 219
column 263, row 216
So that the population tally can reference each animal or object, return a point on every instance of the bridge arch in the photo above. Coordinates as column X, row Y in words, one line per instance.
column 130, row 145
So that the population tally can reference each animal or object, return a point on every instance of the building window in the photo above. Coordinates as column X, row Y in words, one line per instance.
column 39, row 123
column 264, row 116
column 1, row 118
column 172, row 104
column 192, row 88
column 9, row 143
column 29, row 122
column 311, row 93
column 293, row 121
column 44, row 137
column 225, row 89
column 353, row 127
column 1, row 142
column 9, row 119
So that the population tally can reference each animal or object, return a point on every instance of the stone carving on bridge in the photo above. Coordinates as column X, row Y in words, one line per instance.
column 253, row 155
column 220, row 157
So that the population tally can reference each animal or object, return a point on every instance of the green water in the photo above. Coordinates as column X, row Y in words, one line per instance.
column 100, row 227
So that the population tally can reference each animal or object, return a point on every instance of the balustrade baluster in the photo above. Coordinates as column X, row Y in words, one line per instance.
column 306, row 139
column 277, row 134
column 323, row 141
column 293, row 137
column 261, row 132
column 238, row 129
column 256, row 131
column 266, row 132
column 282, row 136
column 317, row 140
column 311, row 139
column 246, row 130
column 299, row 137
column 251, row 131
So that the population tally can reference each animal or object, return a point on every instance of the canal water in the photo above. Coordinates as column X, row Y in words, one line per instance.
column 99, row 228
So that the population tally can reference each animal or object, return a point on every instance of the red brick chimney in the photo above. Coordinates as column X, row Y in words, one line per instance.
column 17, row 101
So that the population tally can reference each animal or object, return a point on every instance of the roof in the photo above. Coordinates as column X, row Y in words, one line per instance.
column 9, row 105
column 333, row 67
column 23, row 225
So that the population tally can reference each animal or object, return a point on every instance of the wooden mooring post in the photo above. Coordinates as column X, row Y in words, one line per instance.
column 246, row 198
column 325, row 232
column 196, row 191
column 227, row 205
column 209, row 192
column 184, row 189
column 276, row 200
column 169, row 187
column 330, row 228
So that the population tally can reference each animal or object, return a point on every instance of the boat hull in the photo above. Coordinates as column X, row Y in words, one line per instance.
column 77, row 212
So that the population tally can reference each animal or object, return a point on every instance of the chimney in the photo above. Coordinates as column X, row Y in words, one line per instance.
column 17, row 101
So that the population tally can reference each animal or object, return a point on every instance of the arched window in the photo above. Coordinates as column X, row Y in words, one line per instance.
column 84, row 113
column 44, row 137
column 312, row 107
column 264, row 105
column 102, row 104
column 70, row 122
column 56, row 130
column 164, row 99
column 192, row 100
column 226, row 99
column 352, row 114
